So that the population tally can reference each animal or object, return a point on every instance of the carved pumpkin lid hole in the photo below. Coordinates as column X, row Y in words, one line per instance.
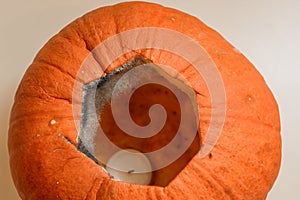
column 139, row 123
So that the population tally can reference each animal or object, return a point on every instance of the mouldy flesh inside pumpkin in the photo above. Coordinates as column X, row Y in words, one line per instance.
column 97, row 96
column 44, row 157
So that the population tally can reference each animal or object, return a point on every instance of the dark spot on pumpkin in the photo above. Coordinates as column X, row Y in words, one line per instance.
column 157, row 91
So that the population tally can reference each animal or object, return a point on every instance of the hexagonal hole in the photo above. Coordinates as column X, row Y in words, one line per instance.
column 168, row 151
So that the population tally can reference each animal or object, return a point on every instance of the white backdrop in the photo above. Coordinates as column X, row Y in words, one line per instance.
column 266, row 31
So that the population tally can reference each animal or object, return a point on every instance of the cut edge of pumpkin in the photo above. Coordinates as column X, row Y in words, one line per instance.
column 86, row 145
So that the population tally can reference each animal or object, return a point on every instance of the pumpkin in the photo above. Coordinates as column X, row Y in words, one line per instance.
column 235, row 152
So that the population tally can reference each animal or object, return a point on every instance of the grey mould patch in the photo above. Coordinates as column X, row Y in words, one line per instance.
column 96, row 95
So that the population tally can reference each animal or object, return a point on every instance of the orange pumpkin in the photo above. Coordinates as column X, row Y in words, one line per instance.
column 49, row 159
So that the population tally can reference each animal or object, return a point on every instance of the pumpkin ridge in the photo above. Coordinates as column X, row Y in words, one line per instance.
column 42, row 62
column 59, row 68
column 36, row 113
column 47, row 97
column 65, row 36
column 210, row 180
column 88, row 31
column 95, row 186
column 227, row 188
column 51, row 134
column 52, row 97
column 85, row 41
column 31, row 90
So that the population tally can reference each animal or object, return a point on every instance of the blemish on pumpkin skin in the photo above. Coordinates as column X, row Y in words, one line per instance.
column 55, row 150
column 173, row 19
column 249, row 98
column 52, row 122
column 210, row 156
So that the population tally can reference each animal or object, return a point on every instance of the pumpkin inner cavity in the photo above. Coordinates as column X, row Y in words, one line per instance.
column 101, row 135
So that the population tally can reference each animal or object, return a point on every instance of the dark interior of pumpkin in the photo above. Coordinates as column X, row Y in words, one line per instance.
column 179, row 131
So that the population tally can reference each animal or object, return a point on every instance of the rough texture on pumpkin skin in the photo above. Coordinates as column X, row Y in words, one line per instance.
column 244, row 163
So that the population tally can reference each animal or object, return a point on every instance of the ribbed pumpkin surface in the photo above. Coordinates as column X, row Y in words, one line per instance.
column 45, row 162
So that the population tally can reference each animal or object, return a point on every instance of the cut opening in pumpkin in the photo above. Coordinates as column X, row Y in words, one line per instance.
column 139, row 123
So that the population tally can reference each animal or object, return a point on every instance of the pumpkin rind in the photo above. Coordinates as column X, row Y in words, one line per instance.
column 45, row 163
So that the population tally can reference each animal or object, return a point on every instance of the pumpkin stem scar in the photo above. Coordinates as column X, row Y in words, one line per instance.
column 100, row 135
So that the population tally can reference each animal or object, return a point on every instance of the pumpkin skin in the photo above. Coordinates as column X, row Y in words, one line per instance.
column 45, row 162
